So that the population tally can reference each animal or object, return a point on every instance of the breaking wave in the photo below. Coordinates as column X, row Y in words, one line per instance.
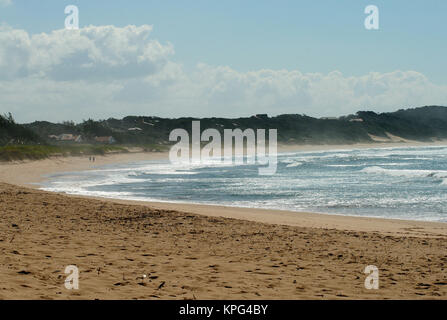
column 400, row 183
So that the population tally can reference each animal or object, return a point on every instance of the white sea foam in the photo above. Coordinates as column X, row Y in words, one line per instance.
column 343, row 165
column 294, row 164
column 439, row 174
column 370, row 183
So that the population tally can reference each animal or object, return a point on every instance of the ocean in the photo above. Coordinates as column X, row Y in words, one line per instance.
column 399, row 183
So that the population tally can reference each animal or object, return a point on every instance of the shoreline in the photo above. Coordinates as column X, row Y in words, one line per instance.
column 151, row 250
column 128, row 251
column 27, row 173
column 385, row 226
column 30, row 173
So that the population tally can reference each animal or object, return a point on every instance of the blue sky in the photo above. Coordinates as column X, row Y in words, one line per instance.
column 249, row 36
column 312, row 36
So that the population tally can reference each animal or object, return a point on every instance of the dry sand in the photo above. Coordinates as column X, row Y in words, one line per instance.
column 203, row 252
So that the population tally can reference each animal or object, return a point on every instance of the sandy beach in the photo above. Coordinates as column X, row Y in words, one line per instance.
column 141, row 250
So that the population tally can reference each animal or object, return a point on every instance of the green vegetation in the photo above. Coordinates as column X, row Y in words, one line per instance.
column 11, row 132
column 37, row 140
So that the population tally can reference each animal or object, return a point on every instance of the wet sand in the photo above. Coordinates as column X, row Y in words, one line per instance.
column 189, row 256
column 202, row 252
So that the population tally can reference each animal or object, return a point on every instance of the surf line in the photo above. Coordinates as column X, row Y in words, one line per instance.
column 188, row 149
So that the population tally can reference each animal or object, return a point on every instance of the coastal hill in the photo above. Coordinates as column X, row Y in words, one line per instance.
column 150, row 133
column 422, row 124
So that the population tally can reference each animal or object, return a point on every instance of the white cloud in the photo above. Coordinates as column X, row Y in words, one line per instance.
column 5, row 3
column 91, row 53
column 108, row 71
column 222, row 91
